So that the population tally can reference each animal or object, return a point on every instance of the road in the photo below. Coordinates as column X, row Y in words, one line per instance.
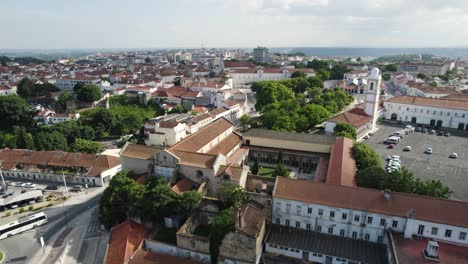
column 21, row 248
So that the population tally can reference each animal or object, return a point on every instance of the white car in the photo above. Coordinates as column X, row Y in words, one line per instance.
column 29, row 185
column 395, row 157
column 407, row 148
column 454, row 155
column 22, row 184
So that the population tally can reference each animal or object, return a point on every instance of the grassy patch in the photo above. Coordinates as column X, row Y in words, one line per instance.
column 166, row 235
column 2, row 256
column 265, row 171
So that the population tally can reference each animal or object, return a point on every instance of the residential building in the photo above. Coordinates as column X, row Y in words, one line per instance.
column 125, row 240
column 55, row 166
column 435, row 68
column 261, row 55
column 4, row 90
column 363, row 117
column 427, row 90
column 138, row 158
column 451, row 112
column 364, row 214
column 205, row 157
column 243, row 77
column 67, row 83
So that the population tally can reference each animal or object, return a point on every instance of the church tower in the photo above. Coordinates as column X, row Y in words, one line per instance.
column 372, row 94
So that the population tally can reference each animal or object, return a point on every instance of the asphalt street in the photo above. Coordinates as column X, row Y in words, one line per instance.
column 20, row 248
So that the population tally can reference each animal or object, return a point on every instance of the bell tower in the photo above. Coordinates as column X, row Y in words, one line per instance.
column 372, row 94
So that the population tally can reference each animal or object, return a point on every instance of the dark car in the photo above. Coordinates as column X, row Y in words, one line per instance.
column 441, row 133
column 418, row 129
column 424, row 130
column 52, row 187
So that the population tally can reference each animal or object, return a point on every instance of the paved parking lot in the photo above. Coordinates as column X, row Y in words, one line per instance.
column 438, row 166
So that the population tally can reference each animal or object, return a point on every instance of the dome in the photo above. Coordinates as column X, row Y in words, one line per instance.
column 375, row 72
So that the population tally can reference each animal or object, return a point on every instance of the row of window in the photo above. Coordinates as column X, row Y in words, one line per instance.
column 344, row 216
column 434, row 112
column 448, row 232
column 330, row 230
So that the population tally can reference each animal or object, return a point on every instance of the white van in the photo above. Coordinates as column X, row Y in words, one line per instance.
column 392, row 140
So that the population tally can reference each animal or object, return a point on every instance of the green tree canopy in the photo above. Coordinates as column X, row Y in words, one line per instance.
column 89, row 93
column 244, row 121
column 51, row 141
column 298, row 74
column 25, row 88
column 14, row 111
column 366, row 156
column 86, row 146
column 345, row 130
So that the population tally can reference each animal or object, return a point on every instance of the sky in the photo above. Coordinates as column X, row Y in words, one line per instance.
column 84, row 24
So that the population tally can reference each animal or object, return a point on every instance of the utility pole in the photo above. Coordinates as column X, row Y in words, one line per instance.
column 65, row 183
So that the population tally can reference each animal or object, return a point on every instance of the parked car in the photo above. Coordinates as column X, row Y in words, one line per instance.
column 391, row 146
column 23, row 191
column 29, row 185
column 22, row 184
column 407, row 148
column 428, row 151
column 11, row 193
column 52, row 187
column 418, row 129
column 454, row 155
column 8, row 183
column 447, row 134
column 441, row 133
column 395, row 157
column 432, row 131
column 424, row 130
column 77, row 188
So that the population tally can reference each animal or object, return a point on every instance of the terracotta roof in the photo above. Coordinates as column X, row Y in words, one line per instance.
column 425, row 208
column 195, row 159
column 168, row 124
column 342, row 166
column 458, row 97
column 95, row 164
column 198, row 140
column 183, row 186
column 145, row 257
column 139, row 151
column 356, row 117
column 226, row 145
column 124, row 241
column 217, row 111
column 233, row 171
column 201, row 117
column 238, row 64
column 432, row 102
column 289, row 136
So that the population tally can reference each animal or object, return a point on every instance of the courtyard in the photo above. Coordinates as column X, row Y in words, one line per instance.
column 435, row 166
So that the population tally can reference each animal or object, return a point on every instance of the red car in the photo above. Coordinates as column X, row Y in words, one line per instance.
column 391, row 146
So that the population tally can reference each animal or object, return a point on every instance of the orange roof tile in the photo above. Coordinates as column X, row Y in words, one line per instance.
column 124, row 241
column 342, row 166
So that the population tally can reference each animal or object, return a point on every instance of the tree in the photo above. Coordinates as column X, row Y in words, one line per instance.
column 232, row 195
column 371, row 177
column 337, row 72
column 298, row 74
column 86, row 146
column 78, row 87
column 14, row 111
column 63, row 98
column 421, row 76
column 323, row 74
column 315, row 114
column 117, row 201
column 366, row 156
column 255, row 168
column 44, row 88
column 391, row 67
column 359, row 59
column 244, row 120
column 315, row 81
column 51, row 141
column 89, row 93
column 24, row 140
column 281, row 170
column 25, row 88
column 187, row 201
column 222, row 225
column 345, row 130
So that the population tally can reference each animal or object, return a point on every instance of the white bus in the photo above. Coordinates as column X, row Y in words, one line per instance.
column 22, row 224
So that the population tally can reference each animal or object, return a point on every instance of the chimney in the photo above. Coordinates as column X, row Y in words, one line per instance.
column 387, row 194
column 432, row 250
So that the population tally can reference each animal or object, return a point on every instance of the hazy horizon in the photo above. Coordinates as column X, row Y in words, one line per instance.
column 146, row 24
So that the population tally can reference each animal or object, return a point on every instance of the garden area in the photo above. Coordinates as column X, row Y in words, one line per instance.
column 166, row 235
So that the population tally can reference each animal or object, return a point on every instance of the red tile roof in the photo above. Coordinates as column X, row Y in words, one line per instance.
column 183, row 186
column 137, row 151
column 125, row 240
column 442, row 211
column 356, row 117
column 432, row 102
column 342, row 166
column 145, row 257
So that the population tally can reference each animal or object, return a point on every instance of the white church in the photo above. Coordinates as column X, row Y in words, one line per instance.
column 364, row 116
